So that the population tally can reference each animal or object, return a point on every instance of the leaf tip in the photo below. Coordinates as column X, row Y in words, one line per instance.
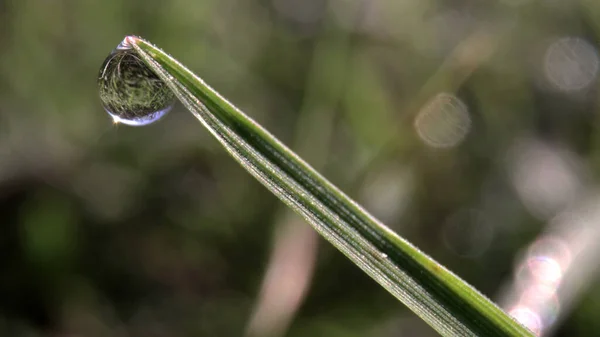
column 128, row 42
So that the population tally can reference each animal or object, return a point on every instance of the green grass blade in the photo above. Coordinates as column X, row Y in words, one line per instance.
column 439, row 297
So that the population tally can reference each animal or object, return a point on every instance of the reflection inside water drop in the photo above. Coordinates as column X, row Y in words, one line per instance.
column 130, row 91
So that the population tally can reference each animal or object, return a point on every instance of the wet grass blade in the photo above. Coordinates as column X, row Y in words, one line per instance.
column 439, row 297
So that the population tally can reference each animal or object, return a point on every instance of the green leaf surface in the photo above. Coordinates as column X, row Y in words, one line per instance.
column 443, row 300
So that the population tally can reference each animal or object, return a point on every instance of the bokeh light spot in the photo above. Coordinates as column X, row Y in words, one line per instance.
column 545, row 177
column 571, row 64
column 545, row 269
column 443, row 122
column 528, row 318
column 554, row 248
column 544, row 300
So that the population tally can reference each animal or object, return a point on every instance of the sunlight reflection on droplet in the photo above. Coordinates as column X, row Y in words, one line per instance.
column 553, row 248
column 557, row 266
column 571, row 64
column 545, row 269
column 443, row 122
column 528, row 318
column 537, row 293
column 543, row 300
column 539, row 277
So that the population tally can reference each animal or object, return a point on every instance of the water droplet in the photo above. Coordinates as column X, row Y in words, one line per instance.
column 130, row 91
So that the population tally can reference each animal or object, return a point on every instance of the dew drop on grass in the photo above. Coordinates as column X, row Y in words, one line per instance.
column 130, row 91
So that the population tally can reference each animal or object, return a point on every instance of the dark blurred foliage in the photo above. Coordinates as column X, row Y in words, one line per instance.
column 466, row 126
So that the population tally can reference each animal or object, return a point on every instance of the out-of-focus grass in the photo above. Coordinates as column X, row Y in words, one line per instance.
column 160, row 220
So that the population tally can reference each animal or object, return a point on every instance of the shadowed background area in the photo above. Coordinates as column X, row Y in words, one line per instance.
column 470, row 128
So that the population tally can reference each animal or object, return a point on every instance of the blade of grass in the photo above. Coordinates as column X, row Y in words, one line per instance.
column 439, row 297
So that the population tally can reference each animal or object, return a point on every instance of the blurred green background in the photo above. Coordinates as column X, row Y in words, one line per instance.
column 472, row 128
